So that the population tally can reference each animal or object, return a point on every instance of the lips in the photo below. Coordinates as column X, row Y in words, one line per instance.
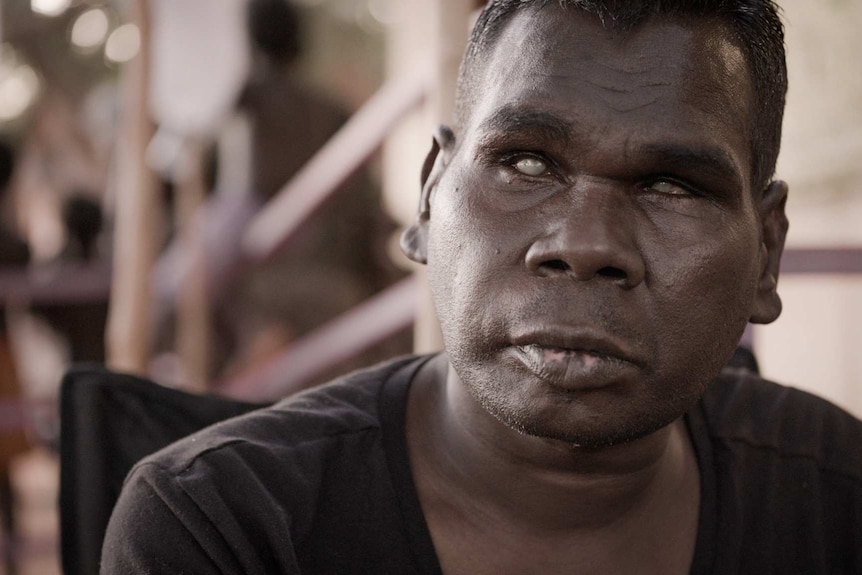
column 575, row 361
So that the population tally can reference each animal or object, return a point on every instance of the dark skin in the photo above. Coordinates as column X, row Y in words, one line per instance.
column 595, row 247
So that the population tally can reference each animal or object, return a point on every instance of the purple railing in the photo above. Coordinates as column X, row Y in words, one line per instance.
column 56, row 283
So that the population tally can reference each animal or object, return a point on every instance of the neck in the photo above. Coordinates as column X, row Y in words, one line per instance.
column 478, row 463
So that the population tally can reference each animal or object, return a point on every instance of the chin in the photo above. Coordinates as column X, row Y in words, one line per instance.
column 580, row 434
column 588, row 437
column 594, row 420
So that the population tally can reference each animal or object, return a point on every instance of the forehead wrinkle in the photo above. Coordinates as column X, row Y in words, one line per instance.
column 623, row 65
column 633, row 107
column 625, row 87
column 646, row 93
column 613, row 81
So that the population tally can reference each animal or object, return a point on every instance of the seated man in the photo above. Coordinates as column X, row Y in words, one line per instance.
column 598, row 227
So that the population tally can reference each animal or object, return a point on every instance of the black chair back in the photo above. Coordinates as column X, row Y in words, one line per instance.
column 108, row 422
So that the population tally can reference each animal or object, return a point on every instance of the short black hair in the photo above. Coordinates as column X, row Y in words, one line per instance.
column 756, row 24
column 273, row 26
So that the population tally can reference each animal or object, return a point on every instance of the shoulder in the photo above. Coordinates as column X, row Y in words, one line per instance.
column 342, row 411
column 743, row 410
column 257, row 485
column 298, row 486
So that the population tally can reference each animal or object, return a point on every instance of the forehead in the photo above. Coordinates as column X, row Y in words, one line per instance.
column 668, row 78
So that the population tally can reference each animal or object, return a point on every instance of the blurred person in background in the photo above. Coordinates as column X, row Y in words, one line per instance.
column 336, row 259
column 81, row 324
column 14, row 255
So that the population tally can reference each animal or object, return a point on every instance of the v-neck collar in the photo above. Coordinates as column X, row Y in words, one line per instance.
column 393, row 415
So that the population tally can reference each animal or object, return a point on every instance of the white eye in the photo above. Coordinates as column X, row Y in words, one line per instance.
column 531, row 166
column 665, row 187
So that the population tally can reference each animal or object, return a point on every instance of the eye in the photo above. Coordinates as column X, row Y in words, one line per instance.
column 667, row 187
column 531, row 166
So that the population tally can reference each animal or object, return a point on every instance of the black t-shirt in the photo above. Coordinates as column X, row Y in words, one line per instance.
column 321, row 483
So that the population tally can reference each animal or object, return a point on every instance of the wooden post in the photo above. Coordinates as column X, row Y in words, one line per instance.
column 193, row 309
column 137, row 224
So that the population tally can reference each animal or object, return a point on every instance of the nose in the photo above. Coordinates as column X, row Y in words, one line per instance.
column 592, row 238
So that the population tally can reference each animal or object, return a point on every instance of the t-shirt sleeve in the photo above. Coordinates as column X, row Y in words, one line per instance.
column 157, row 527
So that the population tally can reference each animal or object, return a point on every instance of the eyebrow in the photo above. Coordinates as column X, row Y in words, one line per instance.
column 514, row 118
column 715, row 161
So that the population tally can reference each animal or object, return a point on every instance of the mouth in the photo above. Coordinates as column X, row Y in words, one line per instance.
column 553, row 354
column 575, row 362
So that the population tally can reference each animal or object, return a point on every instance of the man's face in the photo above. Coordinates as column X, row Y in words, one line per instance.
column 594, row 245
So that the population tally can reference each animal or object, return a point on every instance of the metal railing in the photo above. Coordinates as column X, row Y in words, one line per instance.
column 56, row 283
column 345, row 153
column 346, row 336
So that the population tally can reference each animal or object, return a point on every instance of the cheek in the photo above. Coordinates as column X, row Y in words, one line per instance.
column 711, row 255
column 705, row 293
column 464, row 237
column 452, row 254
column 470, row 257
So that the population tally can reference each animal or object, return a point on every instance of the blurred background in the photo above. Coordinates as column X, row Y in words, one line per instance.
column 209, row 193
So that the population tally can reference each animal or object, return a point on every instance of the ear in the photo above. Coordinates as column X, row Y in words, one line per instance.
column 414, row 240
column 773, row 220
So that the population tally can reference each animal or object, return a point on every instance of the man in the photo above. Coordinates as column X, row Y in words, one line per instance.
column 340, row 248
column 259, row 309
column 599, row 227
column 82, row 325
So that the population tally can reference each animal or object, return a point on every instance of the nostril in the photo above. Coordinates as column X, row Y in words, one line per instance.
column 612, row 272
column 556, row 265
